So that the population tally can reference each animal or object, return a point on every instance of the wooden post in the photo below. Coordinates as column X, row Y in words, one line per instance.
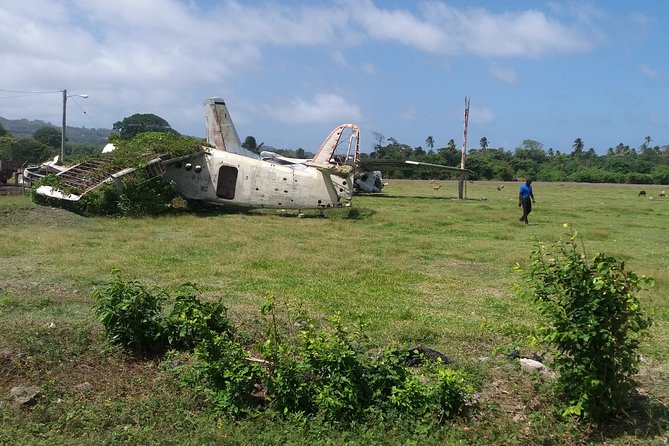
column 461, row 183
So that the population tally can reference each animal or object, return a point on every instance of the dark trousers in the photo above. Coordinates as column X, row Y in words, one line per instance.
column 527, row 208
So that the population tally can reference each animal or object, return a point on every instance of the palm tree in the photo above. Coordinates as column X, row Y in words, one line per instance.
column 578, row 147
column 646, row 142
column 484, row 143
column 429, row 141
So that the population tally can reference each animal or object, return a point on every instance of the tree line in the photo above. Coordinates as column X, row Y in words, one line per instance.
column 621, row 164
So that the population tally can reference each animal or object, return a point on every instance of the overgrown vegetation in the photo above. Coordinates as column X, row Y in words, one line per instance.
column 594, row 322
column 132, row 315
column 142, row 194
column 330, row 372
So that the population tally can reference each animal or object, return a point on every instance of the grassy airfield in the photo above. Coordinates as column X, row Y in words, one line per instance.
column 419, row 266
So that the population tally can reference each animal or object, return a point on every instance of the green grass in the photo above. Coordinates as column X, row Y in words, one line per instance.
column 418, row 264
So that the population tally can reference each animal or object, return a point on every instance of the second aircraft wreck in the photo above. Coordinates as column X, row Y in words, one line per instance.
column 224, row 172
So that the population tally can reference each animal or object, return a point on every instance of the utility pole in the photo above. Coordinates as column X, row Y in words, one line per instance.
column 61, row 159
column 461, row 183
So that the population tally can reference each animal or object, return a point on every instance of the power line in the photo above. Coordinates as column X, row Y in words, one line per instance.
column 84, row 112
column 31, row 92
column 22, row 94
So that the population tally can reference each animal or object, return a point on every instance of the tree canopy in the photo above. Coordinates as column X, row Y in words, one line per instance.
column 141, row 123
column 24, row 150
column 50, row 136
column 621, row 164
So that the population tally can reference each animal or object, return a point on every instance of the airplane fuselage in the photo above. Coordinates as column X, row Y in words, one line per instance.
column 229, row 178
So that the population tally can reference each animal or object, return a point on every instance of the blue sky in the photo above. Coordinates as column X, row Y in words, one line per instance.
column 291, row 71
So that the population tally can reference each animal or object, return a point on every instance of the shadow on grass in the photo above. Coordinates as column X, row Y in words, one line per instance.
column 212, row 210
column 422, row 197
column 646, row 418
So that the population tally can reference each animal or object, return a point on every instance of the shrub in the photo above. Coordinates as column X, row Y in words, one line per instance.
column 594, row 322
column 143, row 197
column 131, row 315
column 331, row 373
column 223, row 373
column 192, row 321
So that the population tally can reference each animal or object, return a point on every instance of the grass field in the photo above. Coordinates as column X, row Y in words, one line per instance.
column 419, row 265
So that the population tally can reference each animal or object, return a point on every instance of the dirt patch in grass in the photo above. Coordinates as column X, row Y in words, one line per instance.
column 38, row 215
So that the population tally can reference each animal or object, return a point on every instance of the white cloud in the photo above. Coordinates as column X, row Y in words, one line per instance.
column 339, row 58
column 398, row 25
column 481, row 115
column 506, row 75
column 323, row 108
column 443, row 29
column 368, row 68
column 167, row 56
column 649, row 73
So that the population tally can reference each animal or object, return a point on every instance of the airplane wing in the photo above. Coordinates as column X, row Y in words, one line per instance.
column 370, row 164
column 368, row 177
column 84, row 177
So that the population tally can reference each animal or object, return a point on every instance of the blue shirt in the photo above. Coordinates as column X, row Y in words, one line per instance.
column 525, row 191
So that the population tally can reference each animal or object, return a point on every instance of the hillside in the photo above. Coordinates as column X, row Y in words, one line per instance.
column 75, row 135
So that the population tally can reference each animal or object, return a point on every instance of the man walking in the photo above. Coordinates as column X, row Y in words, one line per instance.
column 525, row 199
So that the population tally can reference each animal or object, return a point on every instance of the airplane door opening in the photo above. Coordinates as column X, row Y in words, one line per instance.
column 227, row 182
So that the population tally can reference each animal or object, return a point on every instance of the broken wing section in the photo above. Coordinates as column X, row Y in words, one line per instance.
column 82, row 178
column 221, row 132
column 337, row 160
column 369, row 178
column 340, row 148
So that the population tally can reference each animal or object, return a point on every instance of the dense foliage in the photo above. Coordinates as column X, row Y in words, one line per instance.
column 594, row 322
column 132, row 315
column 622, row 164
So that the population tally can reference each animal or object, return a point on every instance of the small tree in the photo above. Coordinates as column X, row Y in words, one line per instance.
column 251, row 144
column 141, row 123
column 429, row 142
column 49, row 136
column 594, row 322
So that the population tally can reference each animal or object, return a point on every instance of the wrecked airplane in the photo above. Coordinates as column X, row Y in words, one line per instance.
column 224, row 172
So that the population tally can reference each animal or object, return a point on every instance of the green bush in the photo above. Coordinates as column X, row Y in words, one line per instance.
column 223, row 373
column 594, row 323
column 101, row 201
column 192, row 320
column 142, row 197
column 131, row 315
column 329, row 373
column 332, row 374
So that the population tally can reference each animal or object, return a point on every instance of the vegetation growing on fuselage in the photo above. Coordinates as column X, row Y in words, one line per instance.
column 141, row 195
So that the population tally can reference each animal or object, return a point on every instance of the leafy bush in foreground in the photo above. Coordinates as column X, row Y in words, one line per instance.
column 595, row 323
column 133, row 317
column 329, row 373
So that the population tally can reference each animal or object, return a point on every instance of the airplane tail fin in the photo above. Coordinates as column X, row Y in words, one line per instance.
column 221, row 132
